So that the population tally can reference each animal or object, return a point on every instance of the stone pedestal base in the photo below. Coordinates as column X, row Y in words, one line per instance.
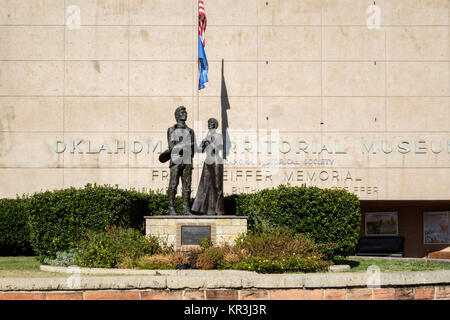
column 184, row 232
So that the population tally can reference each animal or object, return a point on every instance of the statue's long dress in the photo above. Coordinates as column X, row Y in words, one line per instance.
column 209, row 199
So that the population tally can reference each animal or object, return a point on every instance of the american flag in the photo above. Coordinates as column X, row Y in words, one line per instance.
column 201, row 21
column 202, row 60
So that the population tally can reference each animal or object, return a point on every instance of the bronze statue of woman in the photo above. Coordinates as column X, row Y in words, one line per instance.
column 209, row 199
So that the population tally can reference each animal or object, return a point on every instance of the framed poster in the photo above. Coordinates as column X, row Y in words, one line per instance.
column 381, row 223
column 436, row 227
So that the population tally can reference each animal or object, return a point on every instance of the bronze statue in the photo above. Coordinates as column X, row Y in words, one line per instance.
column 181, row 141
column 209, row 199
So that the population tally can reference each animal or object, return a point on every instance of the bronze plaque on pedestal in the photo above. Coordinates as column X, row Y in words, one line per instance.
column 191, row 235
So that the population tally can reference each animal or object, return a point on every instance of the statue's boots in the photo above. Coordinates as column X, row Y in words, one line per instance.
column 171, row 195
column 186, row 211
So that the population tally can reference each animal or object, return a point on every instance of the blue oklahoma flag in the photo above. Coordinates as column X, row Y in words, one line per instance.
column 202, row 65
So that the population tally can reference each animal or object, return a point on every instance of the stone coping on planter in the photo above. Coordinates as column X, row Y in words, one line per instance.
column 220, row 279
column 111, row 271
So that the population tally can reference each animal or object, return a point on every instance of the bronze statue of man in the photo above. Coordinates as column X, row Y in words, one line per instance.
column 181, row 141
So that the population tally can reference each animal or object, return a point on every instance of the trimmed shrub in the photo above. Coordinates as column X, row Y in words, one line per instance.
column 157, row 261
column 161, row 260
column 276, row 251
column 53, row 221
column 109, row 247
column 326, row 215
column 229, row 203
column 205, row 262
column 181, row 258
column 158, row 203
column 14, row 229
column 205, row 244
column 58, row 218
column 210, row 258
column 287, row 264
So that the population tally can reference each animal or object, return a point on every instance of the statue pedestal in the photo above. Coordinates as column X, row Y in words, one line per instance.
column 185, row 232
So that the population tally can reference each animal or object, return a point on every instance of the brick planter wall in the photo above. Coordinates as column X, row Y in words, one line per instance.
column 226, row 285
column 437, row 292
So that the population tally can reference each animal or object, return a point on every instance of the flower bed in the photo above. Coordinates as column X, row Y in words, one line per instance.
column 277, row 251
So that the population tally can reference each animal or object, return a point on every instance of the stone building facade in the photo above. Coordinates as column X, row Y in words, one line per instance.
column 332, row 93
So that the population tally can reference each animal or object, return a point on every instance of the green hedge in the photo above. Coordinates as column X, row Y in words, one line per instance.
column 14, row 230
column 326, row 215
column 58, row 218
column 158, row 204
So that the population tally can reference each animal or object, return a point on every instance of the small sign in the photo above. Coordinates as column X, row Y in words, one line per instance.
column 191, row 235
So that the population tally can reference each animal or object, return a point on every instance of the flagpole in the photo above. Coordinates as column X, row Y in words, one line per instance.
column 197, row 73
column 198, row 67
